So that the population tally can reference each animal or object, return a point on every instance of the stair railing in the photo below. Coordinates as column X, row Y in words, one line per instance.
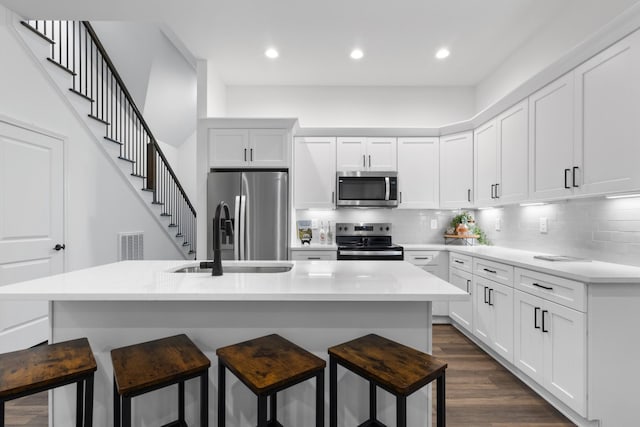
column 76, row 48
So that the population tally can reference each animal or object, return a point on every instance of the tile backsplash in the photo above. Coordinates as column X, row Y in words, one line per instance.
column 409, row 226
column 595, row 228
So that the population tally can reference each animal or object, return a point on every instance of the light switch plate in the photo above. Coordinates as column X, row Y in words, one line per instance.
column 544, row 224
column 498, row 224
column 434, row 224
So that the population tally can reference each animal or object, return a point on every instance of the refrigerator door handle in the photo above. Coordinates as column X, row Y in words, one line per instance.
column 243, row 227
column 236, row 230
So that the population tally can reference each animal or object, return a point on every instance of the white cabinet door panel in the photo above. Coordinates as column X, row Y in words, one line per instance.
column 382, row 154
column 456, row 171
column 501, row 303
column 528, row 351
column 482, row 313
column 352, row 154
column 314, row 172
column 513, row 159
column 228, row 147
column 418, row 173
column 486, row 163
column 462, row 311
column 268, row 148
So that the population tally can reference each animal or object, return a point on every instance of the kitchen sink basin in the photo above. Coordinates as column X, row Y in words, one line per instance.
column 278, row 268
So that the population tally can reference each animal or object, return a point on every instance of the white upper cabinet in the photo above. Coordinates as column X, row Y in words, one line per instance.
column 551, row 140
column 486, row 163
column 257, row 148
column 366, row 154
column 314, row 172
column 513, row 159
column 607, row 120
column 418, row 173
column 456, row 171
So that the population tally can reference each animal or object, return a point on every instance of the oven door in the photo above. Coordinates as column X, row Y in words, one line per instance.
column 370, row 254
column 367, row 189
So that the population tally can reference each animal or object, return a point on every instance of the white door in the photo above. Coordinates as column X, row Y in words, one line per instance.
column 513, row 158
column 381, row 154
column 501, row 303
column 486, row 163
column 565, row 365
column 31, row 224
column 456, row 171
column 314, row 172
column 418, row 173
column 528, row 351
column 607, row 125
column 268, row 148
column 228, row 148
column 462, row 311
column 551, row 140
column 352, row 154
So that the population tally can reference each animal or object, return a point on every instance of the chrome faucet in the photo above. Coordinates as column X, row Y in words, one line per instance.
column 217, row 238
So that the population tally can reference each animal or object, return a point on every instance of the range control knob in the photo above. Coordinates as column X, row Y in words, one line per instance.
column 387, row 228
column 380, row 228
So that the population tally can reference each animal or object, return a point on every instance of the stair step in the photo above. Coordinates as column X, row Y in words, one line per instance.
column 165, row 214
column 141, row 176
column 172, row 225
column 146, row 189
column 99, row 119
column 113, row 140
column 126, row 160
column 38, row 33
column 191, row 251
column 186, row 244
column 179, row 235
column 80, row 94
column 62, row 67
column 157, row 203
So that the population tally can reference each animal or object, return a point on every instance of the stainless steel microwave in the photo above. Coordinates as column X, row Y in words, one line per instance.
column 367, row 189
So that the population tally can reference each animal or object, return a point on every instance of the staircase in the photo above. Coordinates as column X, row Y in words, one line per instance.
column 82, row 68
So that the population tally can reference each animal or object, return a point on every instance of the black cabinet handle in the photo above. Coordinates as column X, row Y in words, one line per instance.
column 364, row 161
column 543, row 328
column 565, row 178
column 490, row 294
column 535, row 317
column 245, row 154
column 369, row 160
column 490, row 271
column 485, row 295
column 251, row 154
column 58, row 247
column 548, row 288
column 574, row 176
column 458, row 261
column 497, row 192
column 469, row 195
column 468, row 284
column 492, row 187
column 313, row 257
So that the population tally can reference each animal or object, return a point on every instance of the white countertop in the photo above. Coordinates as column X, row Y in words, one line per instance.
column 314, row 247
column 307, row 281
column 424, row 246
column 582, row 271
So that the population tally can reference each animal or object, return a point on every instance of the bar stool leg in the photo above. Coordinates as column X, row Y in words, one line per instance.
column 126, row 411
column 320, row 399
column 88, row 401
column 274, row 408
column 117, row 415
column 181, row 402
column 204, row 399
column 441, row 408
column 373, row 401
column 401, row 411
column 333, row 392
column 221, row 395
column 262, row 410
column 79, row 402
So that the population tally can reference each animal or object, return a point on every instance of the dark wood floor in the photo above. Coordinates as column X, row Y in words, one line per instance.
column 480, row 392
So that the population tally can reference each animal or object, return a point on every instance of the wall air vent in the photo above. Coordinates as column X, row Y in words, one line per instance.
column 130, row 246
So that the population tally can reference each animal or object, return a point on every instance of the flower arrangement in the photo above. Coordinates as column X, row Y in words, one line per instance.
column 464, row 223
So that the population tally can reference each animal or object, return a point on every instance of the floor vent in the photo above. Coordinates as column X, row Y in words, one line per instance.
column 131, row 246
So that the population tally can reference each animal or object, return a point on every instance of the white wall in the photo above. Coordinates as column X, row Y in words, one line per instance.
column 216, row 93
column 550, row 44
column 354, row 106
column 100, row 202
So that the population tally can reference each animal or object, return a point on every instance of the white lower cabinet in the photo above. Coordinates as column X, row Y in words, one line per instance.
column 311, row 255
column 461, row 312
column 493, row 315
column 436, row 263
column 550, row 347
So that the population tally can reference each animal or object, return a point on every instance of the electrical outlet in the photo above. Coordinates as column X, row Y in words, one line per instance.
column 434, row 224
column 498, row 224
column 544, row 224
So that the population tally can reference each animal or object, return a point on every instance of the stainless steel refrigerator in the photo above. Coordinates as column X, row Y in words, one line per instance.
column 259, row 206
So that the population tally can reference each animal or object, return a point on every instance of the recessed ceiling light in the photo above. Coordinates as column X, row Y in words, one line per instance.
column 271, row 53
column 443, row 53
column 357, row 54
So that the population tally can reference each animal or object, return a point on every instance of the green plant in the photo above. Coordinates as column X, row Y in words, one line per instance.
column 467, row 218
column 461, row 218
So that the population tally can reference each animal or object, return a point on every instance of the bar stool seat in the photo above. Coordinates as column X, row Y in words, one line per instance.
column 45, row 367
column 266, row 366
column 394, row 367
column 152, row 365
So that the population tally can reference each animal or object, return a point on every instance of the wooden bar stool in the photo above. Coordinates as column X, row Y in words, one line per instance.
column 396, row 368
column 266, row 366
column 149, row 366
column 45, row 367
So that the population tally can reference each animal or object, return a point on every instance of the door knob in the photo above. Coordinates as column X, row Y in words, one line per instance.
column 58, row 246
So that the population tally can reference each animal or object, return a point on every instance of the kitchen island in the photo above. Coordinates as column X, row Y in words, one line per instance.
column 316, row 304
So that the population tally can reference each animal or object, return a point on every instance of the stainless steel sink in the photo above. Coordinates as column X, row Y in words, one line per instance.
column 281, row 268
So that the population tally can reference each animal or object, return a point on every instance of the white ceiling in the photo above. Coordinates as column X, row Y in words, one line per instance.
column 314, row 38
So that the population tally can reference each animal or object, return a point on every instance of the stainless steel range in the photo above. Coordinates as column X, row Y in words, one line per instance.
column 366, row 241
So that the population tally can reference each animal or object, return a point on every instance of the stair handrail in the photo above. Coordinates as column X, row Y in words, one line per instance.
column 139, row 115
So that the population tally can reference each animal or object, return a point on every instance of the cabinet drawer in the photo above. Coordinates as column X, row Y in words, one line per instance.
column 496, row 271
column 461, row 262
column 313, row 255
column 422, row 257
column 562, row 291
